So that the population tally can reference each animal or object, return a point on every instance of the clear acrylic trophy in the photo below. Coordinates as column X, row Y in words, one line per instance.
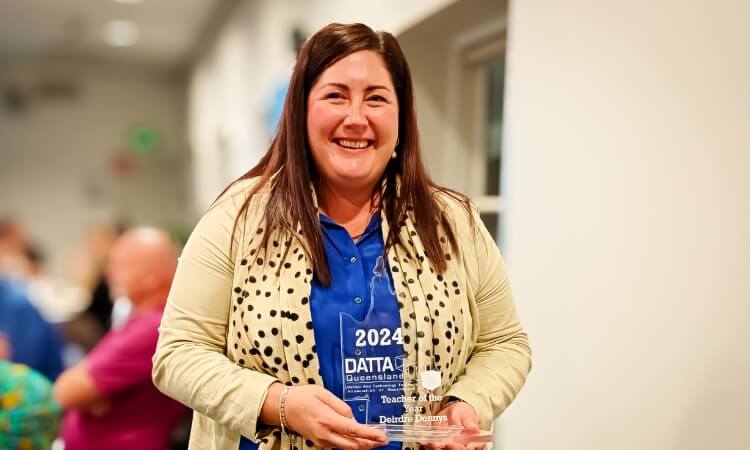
column 373, row 368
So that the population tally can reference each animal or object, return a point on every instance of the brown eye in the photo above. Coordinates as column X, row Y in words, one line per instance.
column 334, row 95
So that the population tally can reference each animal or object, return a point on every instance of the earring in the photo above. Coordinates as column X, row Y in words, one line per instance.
column 394, row 154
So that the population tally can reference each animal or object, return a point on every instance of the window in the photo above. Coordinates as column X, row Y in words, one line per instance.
column 482, row 89
column 457, row 58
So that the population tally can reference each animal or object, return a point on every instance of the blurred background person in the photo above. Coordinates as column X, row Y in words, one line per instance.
column 13, row 241
column 108, row 397
column 98, row 241
column 4, row 347
column 29, row 417
column 29, row 339
column 54, row 302
column 56, row 298
column 86, row 268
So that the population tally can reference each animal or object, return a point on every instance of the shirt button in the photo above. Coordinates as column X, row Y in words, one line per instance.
column 357, row 300
column 361, row 407
column 353, row 260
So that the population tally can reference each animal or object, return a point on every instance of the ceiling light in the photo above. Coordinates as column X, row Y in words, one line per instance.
column 128, row 1
column 121, row 33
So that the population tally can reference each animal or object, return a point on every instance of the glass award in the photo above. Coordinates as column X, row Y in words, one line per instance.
column 373, row 368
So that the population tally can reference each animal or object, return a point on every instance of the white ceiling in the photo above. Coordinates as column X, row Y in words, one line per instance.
column 169, row 29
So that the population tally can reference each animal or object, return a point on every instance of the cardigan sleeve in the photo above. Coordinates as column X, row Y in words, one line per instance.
column 501, row 357
column 190, row 363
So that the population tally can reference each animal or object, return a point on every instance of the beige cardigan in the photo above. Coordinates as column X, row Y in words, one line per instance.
column 211, row 358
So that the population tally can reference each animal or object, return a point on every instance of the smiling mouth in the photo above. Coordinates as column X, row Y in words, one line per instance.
column 353, row 144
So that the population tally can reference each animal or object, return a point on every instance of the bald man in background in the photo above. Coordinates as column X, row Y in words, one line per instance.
column 109, row 398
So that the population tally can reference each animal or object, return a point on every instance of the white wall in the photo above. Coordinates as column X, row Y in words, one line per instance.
column 55, row 160
column 229, row 87
column 627, row 180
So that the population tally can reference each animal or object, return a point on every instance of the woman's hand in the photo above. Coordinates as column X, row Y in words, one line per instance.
column 327, row 421
column 461, row 414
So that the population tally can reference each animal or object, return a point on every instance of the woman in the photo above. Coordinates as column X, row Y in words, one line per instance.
column 286, row 277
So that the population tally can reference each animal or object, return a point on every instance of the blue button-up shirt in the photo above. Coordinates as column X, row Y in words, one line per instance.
column 351, row 265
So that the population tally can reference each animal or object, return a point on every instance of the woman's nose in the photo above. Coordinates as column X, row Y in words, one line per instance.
column 355, row 116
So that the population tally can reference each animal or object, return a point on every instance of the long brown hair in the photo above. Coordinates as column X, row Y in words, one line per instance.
column 291, row 204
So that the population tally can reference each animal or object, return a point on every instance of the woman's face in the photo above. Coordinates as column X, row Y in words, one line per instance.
column 352, row 121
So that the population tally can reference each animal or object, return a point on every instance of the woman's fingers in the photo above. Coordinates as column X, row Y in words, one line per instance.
column 434, row 446
column 463, row 414
column 345, row 433
column 454, row 446
column 333, row 440
column 320, row 416
column 365, row 444
column 351, row 428
column 335, row 403
column 475, row 446
column 470, row 422
column 345, row 424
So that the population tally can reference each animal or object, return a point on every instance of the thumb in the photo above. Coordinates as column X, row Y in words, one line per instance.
column 471, row 423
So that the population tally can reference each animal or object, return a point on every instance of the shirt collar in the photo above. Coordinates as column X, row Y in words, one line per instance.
column 373, row 226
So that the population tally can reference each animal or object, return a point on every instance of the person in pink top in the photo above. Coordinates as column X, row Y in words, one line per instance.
column 109, row 399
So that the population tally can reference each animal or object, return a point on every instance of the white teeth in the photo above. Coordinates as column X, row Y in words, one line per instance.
column 352, row 144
